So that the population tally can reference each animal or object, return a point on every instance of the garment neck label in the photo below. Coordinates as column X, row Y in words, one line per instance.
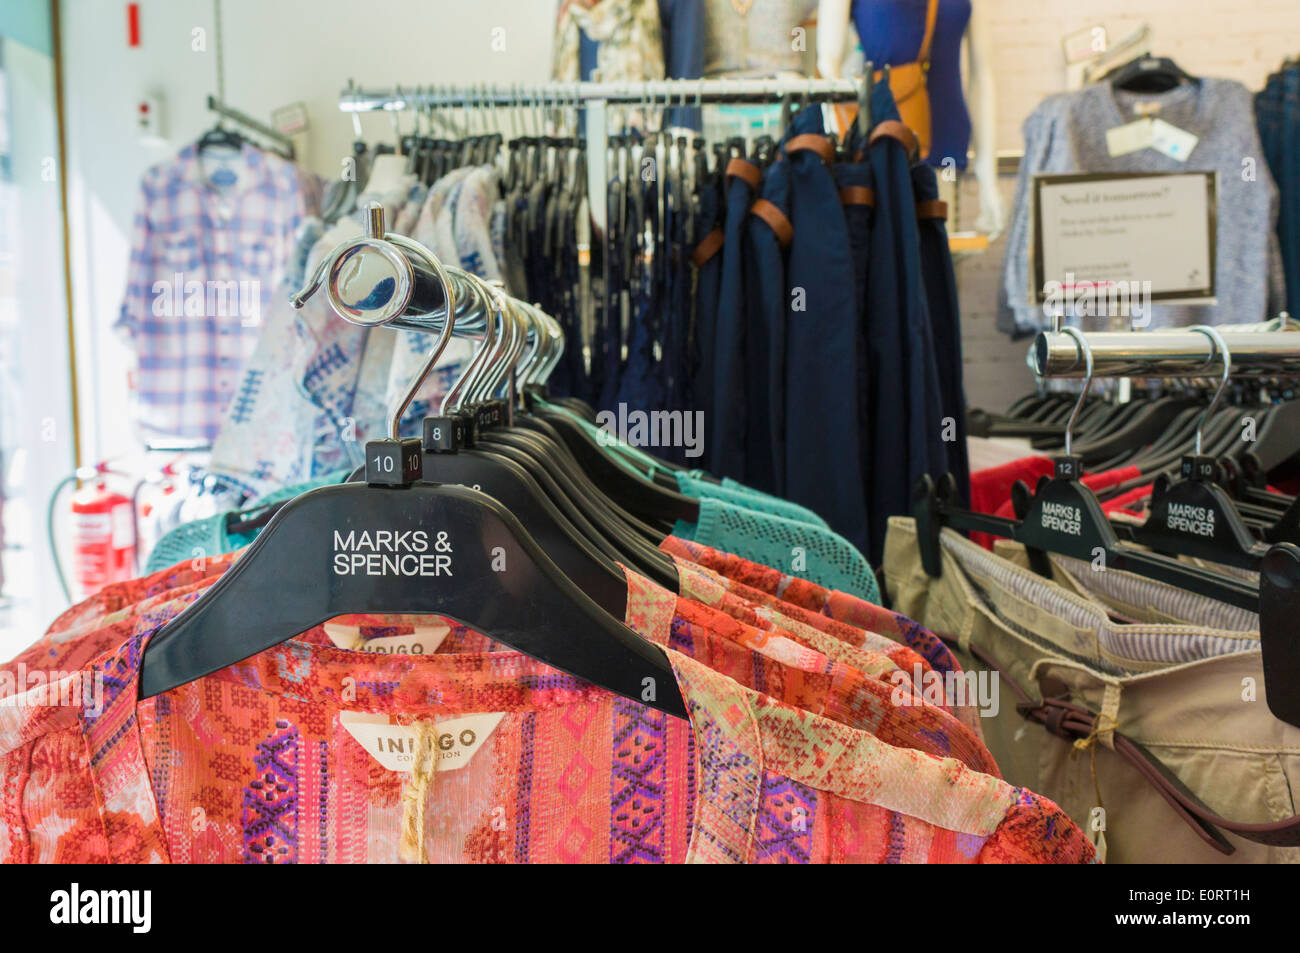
column 422, row 640
column 455, row 740
column 1172, row 141
column 1130, row 137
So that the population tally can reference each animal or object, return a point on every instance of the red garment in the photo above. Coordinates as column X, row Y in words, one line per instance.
column 990, row 490
column 1133, row 501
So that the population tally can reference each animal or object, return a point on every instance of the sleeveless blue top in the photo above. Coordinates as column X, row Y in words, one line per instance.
column 891, row 32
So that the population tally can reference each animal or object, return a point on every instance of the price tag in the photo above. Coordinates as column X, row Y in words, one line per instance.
column 1130, row 137
column 1172, row 141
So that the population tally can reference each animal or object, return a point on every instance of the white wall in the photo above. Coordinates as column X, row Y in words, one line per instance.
column 1243, row 40
column 275, row 53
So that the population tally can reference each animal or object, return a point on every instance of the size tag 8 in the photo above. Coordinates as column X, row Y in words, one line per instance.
column 443, row 434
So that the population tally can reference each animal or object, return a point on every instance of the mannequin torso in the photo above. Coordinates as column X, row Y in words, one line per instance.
column 754, row 37
column 891, row 31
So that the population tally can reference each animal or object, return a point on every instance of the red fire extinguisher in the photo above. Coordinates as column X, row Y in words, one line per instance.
column 103, row 537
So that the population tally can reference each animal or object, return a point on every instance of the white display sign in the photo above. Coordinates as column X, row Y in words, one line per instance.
column 1125, row 234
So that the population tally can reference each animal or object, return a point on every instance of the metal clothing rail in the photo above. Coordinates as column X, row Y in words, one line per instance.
column 595, row 99
column 248, row 122
column 670, row 92
column 1187, row 353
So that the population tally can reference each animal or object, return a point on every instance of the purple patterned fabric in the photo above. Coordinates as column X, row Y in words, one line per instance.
column 270, row 816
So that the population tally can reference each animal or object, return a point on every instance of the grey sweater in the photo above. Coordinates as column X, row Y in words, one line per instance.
column 1067, row 134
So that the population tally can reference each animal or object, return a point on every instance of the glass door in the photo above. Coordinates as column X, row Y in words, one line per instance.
column 37, row 434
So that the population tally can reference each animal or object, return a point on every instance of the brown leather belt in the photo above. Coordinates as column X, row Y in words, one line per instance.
column 776, row 219
column 707, row 248
column 1072, row 722
column 744, row 169
column 857, row 195
column 894, row 129
column 932, row 208
column 812, row 142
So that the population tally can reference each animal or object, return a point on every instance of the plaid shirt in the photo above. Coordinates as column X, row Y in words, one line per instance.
column 204, row 265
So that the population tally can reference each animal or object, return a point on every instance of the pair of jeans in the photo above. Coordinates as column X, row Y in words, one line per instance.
column 725, row 421
column 907, row 422
column 765, row 319
column 708, row 263
column 945, row 325
column 822, row 429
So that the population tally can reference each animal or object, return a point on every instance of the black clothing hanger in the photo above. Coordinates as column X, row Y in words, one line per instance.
column 638, row 495
column 1193, row 516
column 587, row 509
column 1063, row 517
column 1279, row 607
column 510, row 484
column 1147, row 422
column 1148, row 74
column 1277, row 441
column 298, row 574
column 220, row 137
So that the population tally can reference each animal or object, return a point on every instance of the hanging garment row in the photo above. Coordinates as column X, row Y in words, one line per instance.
column 1136, row 592
column 784, row 288
column 535, row 699
column 827, row 323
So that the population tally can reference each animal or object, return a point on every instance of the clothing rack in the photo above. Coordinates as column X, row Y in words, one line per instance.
column 596, row 98
column 248, row 122
column 1186, row 353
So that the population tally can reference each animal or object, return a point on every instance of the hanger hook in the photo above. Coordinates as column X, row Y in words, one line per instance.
column 1221, row 347
column 399, row 103
column 449, row 304
column 464, row 387
column 1082, row 341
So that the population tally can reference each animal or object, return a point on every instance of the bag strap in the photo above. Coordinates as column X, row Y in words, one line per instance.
column 1072, row 722
column 931, row 15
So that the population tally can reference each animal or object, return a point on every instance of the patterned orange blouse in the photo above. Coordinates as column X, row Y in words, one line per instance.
column 499, row 758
